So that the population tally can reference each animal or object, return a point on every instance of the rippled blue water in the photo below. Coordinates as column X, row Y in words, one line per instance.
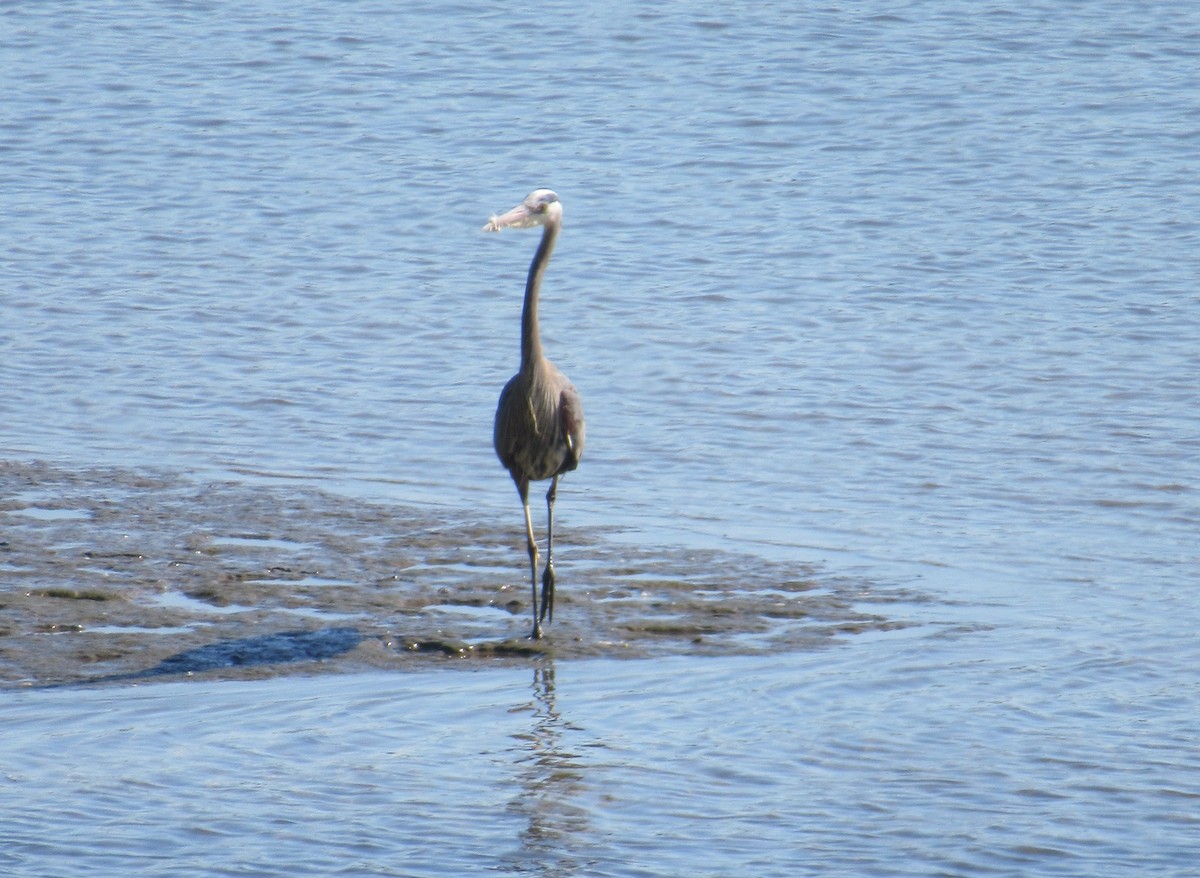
column 907, row 290
column 749, row 766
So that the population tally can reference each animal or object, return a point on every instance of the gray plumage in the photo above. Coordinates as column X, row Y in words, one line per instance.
column 539, row 429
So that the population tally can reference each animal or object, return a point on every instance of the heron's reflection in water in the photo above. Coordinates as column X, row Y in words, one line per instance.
column 552, row 785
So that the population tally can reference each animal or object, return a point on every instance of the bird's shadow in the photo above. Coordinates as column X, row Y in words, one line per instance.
column 279, row 648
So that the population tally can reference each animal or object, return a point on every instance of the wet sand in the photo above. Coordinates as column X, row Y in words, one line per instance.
column 110, row 575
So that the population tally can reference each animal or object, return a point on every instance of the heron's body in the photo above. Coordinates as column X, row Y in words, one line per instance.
column 539, row 424
column 539, row 429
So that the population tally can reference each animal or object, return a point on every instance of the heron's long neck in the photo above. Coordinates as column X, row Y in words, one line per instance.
column 531, row 336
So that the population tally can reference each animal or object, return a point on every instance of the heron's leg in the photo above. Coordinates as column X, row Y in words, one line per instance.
column 523, row 490
column 548, row 573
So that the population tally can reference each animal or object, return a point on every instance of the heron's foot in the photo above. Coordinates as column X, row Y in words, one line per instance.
column 536, row 634
column 547, row 594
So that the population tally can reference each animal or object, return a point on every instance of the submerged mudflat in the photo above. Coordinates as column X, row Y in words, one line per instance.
column 117, row 575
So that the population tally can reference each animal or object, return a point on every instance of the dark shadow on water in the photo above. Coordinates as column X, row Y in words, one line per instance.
column 284, row 647
column 265, row 651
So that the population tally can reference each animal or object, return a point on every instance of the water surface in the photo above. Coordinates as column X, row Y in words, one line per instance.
column 885, row 323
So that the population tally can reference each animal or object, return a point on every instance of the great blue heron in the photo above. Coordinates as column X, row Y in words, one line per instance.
column 539, row 420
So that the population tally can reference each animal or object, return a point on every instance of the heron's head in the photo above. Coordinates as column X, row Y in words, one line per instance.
column 540, row 207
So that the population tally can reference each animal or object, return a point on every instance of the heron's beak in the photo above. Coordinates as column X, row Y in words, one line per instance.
column 520, row 217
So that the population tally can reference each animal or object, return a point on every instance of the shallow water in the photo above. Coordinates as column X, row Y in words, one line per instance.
column 762, row 765
column 119, row 576
column 885, row 324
